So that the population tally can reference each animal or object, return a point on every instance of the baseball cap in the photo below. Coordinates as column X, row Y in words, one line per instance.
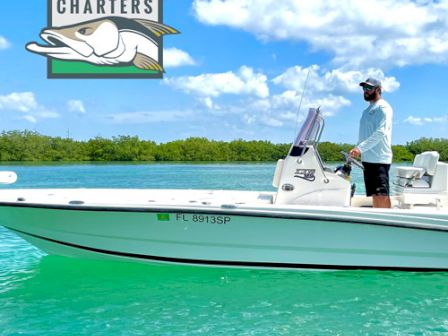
column 372, row 82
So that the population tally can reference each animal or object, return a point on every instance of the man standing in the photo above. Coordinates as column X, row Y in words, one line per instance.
column 375, row 143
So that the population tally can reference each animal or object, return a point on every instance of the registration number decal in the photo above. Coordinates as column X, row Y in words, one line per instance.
column 197, row 218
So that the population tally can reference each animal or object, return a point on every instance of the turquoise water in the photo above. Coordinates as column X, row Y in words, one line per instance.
column 49, row 295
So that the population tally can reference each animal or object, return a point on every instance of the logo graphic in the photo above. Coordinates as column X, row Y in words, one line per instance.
column 104, row 39
column 163, row 217
column 306, row 174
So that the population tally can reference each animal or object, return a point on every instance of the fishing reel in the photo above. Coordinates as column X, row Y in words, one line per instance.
column 345, row 170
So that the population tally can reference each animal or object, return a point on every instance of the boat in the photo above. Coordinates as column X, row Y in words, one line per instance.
column 313, row 220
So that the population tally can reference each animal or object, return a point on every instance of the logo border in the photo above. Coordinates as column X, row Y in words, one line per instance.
column 50, row 75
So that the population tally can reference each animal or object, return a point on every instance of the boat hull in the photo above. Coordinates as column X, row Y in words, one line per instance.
column 235, row 238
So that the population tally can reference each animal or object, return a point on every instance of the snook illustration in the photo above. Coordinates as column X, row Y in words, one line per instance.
column 106, row 41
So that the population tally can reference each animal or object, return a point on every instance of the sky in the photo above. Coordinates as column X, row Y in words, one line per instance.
column 239, row 69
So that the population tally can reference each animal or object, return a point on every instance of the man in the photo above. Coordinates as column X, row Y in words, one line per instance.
column 375, row 143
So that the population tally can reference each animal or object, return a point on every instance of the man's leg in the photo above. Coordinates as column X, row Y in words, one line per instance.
column 376, row 179
column 381, row 197
column 381, row 201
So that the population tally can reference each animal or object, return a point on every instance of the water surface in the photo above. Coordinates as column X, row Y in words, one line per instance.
column 50, row 295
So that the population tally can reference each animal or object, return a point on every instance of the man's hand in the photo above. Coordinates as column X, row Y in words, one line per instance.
column 355, row 152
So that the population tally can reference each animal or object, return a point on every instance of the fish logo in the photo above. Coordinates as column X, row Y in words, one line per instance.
column 108, row 46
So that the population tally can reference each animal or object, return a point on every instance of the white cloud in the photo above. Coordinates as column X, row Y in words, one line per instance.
column 420, row 121
column 334, row 81
column 330, row 105
column 19, row 101
column 358, row 33
column 76, row 106
column 284, row 107
column 4, row 44
column 245, row 81
column 46, row 114
column 414, row 120
column 324, row 89
column 249, row 119
column 443, row 119
column 271, row 121
column 173, row 57
column 30, row 119
column 208, row 103
column 149, row 117
column 25, row 102
column 247, row 93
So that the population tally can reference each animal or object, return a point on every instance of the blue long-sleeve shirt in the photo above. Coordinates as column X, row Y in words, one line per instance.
column 375, row 133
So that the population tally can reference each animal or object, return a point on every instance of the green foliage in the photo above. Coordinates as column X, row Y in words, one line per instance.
column 202, row 149
column 401, row 153
column 32, row 146
column 256, row 151
column 332, row 152
column 429, row 144
column 122, row 148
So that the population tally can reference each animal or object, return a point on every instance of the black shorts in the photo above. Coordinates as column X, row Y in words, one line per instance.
column 376, row 178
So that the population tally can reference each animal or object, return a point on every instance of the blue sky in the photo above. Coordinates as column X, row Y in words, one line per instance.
column 237, row 70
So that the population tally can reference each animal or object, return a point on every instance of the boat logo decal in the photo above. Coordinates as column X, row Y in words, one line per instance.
column 103, row 39
column 306, row 174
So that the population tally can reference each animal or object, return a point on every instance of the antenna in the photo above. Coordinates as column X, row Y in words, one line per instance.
column 300, row 103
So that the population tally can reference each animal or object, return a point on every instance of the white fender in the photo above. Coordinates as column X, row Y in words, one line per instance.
column 7, row 177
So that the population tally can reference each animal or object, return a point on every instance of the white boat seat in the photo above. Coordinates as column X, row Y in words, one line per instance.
column 410, row 172
column 406, row 182
column 424, row 166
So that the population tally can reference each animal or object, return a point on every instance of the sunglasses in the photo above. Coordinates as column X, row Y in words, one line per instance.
column 368, row 87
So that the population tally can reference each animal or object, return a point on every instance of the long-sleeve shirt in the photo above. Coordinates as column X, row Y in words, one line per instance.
column 375, row 133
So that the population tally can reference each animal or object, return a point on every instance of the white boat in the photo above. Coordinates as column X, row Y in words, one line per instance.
column 312, row 221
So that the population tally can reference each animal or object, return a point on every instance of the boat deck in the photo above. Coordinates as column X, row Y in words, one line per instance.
column 175, row 198
column 136, row 197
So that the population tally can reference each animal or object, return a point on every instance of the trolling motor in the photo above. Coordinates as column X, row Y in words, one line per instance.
column 345, row 170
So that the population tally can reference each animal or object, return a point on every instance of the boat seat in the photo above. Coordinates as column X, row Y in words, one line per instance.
column 278, row 173
column 410, row 172
column 421, row 172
